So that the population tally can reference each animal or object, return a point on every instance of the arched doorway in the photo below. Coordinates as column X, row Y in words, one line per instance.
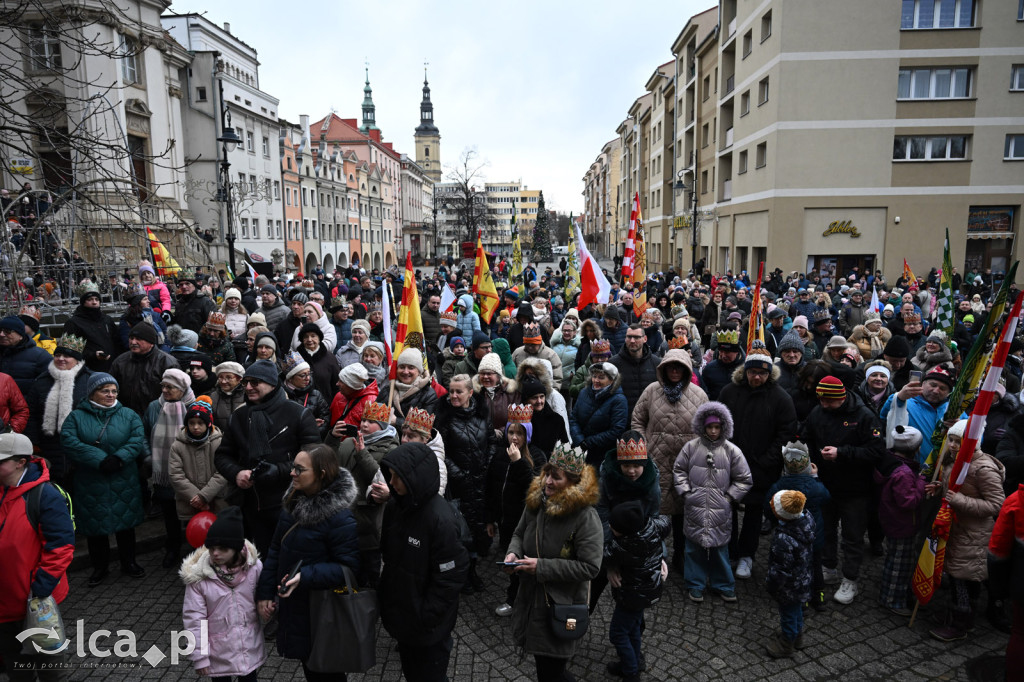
column 388, row 260
column 376, row 261
column 342, row 260
column 311, row 262
column 329, row 264
column 365, row 262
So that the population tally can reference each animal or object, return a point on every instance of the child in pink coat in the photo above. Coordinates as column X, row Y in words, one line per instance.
column 220, row 586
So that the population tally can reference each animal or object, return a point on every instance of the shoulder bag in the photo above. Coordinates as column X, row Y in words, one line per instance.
column 345, row 632
column 567, row 621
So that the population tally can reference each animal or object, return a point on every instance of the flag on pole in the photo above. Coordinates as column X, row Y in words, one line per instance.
column 594, row 286
column 163, row 262
column 639, row 268
column 908, row 276
column 928, row 572
column 945, row 319
column 409, row 333
column 447, row 298
column 876, row 304
column 517, row 251
column 385, row 307
column 252, row 272
column 755, row 331
column 483, row 284
column 629, row 254
column 572, row 274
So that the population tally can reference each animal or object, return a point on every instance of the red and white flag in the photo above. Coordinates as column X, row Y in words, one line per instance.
column 629, row 255
column 594, row 286
column 447, row 298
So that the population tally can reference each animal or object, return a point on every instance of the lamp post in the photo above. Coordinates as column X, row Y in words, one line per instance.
column 680, row 186
column 229, row 140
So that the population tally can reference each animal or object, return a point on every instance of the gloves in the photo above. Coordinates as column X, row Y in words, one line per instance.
column 111, row 464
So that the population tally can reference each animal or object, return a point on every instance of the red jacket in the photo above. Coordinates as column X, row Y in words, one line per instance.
column 351, row 409
column 13, row 408
column 34, row 562
column 1009, row 526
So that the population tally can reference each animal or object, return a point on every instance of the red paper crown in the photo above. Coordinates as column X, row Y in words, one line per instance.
column 676, row 342
column 600, row 346
column 377, row 412
column 630, row 450
column 520, row 414
column 419, row 420
column 450, row 317
column 216, row 319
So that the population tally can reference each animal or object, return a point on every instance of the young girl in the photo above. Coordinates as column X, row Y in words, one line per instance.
column 220, row 587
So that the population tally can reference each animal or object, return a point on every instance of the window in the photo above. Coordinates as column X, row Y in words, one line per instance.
column 277, row 189
column 762, row 91
column 745, row 103
column 1014, row 147
column 921, row 148
column 201, row 94
column 426, row 150
column 704, row 182
column 266, row 189
column 255, row 228
column 925, row 14
column 1017, row 75
column 707, row 87
column 128, row 50
column 250, row 142
column 934, row 83
column 305, row 199
column 305, row 228
column 314, row 230
column 252, row 184
column 241, row 183
column 766, row 25
column 245, row 227
column 761, row 155
column 266, row 147
column 742, row 163
column 287, row 196
column 43, row 48
column 704, row 132
column 1020, row 11
column 278, row 229
column 288, row 161
column 748, row 42
column 288, row 230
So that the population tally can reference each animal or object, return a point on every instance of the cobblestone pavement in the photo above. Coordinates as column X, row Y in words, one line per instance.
column 710, row 641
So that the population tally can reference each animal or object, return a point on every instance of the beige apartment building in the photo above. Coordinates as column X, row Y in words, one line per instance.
column 601, row 197
column 819, row 135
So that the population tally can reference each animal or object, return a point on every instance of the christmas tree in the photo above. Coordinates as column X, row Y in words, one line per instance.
column 541, row 233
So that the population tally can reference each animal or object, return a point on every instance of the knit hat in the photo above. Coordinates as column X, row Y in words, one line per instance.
column 227, row 530
column 456, row 341
column 202, row 361
column 897, row 347
column 412, row 357
column 97, row 381
column 233, row 293
column 610, row 370
column 800, row 321
column 374, row 347
column 776, row 313
column 968, row 318
column 179, row 336
column 612, row 313
column 529, row 386
column 758, row 358
column 146, row 266
column 940, row 373
column 202, row 408
column 232, row 367
column 831, row 387
column 958, row 429
column 837, row 341
column 292, row 364
column 889, row 308
column 299, row 297
column 265, row 339
column 872, row 316
column 937, row 336
column 361, row 324
column 627, row 518
column 268, row 289
column 795, row 457
column 788, row 504
column 480, row 338
column 70, row 345
column 734, row 315
column 311, row 328
column 791, row 341
column 177, row 379
column 354, row 376
column 531, row 335
column 525, row 312
column 906, row 439
column 144, row 331
column 263, row 370
column 491, row 363
column 256, row 319
column 13, row 323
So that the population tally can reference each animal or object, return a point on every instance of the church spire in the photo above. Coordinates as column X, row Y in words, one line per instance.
column 369, row 110
column 426, row 126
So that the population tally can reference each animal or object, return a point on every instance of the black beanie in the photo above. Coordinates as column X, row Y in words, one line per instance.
column 310, row 327
column 226, row 530
column 530, row 387
column 626, row 518
column 144, row 331
column 898, row 347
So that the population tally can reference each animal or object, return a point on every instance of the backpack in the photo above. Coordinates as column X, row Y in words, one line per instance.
column 32, row 500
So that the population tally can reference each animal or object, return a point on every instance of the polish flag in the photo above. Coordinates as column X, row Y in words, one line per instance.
column 594, row 286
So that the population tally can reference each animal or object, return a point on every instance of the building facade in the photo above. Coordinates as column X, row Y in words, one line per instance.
column 428, row 138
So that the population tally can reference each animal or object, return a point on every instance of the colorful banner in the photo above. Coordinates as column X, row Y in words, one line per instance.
column 639, row 268
column 594, row 286
column 163, row 262
column 755, row 330
column 483, row 284
column 517, row 252
column 945, row 318
column 572, row 274
column 409, row 333
column 629, row 254
column 908, row 277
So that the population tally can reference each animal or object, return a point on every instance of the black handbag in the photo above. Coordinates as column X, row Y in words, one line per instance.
column 568, row 621
column 345, row 635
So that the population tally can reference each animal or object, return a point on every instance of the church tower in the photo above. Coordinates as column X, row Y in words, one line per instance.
column 427, row 137
column 369, row 110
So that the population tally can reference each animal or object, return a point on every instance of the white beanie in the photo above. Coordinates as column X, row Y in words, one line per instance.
column 233, row 293
column 411, row 356
column 354, row 376
column 491, row 363
column 296, row 369
column 958, row 429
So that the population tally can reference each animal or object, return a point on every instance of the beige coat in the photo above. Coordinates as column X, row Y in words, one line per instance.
column 667, row 427
column 975, row 508
column 192, row 473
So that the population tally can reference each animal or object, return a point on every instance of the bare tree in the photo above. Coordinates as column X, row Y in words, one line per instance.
column 463, row 200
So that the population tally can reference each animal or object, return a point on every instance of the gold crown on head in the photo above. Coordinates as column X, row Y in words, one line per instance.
column 569, row 459
column 600, row 346
column 377, row 412
column 730, row 336
column 216, row 318
column 72, row 342
column 520, row 414
column 631, row 449
column 450, row 317
column 419, row 420
column 676, row 342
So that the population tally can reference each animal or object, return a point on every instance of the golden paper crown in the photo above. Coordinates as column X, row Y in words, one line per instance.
column 31, row 311
column 308, row 284
column 72, row 342
column 630, row 449
column 419, row 420
column 520, row 414
column 377, row 412
column 676, row 342
column 450, row 317
column 728, row 336
column 600, row 346
column 569, row 459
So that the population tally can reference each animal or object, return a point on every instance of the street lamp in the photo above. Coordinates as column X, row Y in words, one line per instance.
column 229, row 141
column 680, row 186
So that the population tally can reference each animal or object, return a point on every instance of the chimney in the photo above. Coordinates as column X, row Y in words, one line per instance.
column 227, row 27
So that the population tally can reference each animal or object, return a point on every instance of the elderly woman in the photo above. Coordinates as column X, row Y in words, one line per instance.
column 264, row 347
column 52, row 398
column 497, row 392
column 314, row 314
column 870, row 337
column 229, row 395
column 373, row 359
column 933, row 353
column 600, row 414
column 316, row 527
column 413, row 387
column 298, row 384
column 162, row 422
column 321, row 361
column 104, row 440
column 375, row 317
column 557, row 547
column 352, row 351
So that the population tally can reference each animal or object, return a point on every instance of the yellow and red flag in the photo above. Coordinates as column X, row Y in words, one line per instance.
column 163, row 262
column 483, row 285
column 908, row 276
column 639, row 268
column 409, row 333
column 755, row 330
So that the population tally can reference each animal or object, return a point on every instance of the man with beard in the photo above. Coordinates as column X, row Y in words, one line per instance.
column 96, row 327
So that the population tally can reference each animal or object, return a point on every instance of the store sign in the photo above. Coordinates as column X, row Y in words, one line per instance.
column 841, row 227
column 22, row 166
column 990, row 219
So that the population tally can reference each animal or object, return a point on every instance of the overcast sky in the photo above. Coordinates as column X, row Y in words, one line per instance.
column 536, row 87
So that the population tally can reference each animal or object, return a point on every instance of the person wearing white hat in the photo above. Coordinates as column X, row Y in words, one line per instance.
column 355, row 392
column 235, row 315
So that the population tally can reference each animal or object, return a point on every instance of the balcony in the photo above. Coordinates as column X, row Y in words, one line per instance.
column 732, row 27
column 728, row 138
column 727, row 190
column 730, row 84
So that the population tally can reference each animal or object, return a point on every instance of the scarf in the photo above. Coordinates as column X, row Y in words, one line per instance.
column 166, row 429
column 60, row 399
column 259, row 425
column 228, row 574
column 380, row 435
column 673, row 392
column 379, row 373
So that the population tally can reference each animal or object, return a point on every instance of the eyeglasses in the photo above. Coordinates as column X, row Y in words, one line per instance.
column 108, row 391
column 299, row 470
column 250, row 382
column 302, row 375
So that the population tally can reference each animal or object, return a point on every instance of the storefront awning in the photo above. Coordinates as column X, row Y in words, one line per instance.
column 990, row 235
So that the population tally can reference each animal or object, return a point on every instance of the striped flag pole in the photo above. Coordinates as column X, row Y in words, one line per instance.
column 626, row 275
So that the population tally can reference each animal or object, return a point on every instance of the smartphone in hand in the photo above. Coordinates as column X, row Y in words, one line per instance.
column 282, row 588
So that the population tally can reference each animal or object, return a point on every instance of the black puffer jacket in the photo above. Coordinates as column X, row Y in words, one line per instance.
column 99, row 332
column 292, row 428
column 422, row 397
column 324, row 538
column 638, row 560
column 138, row 377
column 314, row 401
column 507, row 483
column 1003, row 410
column 856, row 432
column 617, row 489
column 324, row 368
column 190, row 312
column 548, row 429
column 469, row 446
column 637, row 373
column 425, row 563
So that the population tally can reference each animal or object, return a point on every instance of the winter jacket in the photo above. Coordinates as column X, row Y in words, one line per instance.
column 192, row 471
column 616, row 337
column 320, row 530
column 13, row 408
column 636, row 373
column 49, row 445
column 541, row 370
column 35, row 561
column 364, row 465
column 425, row 563
column 469, row 446
column 974, row 509
column 224, row 405
column 900, row 497
column 217, row 349
column 1011, row 453
column 1006, row 549
column 789, row 561
column 545, row 353
column 637, row 558
column 467, row 321
column 920, row 414
column 314, row 401
column 237, row 324
column 24, row 362
column 323, row 367
column 100, row 334
column 617, row 489
column 350, row 409
column 292, row 428
column 497, row 404
column 467, row 365
column 868, row 343
column 765, row 420
column 564, row 533
column 507, row 484
column 192, row 311
column 817, row 497
column 343, row 330
column 129, row 320
column 852, row 315
column 157, row 291
column 138, row 377
column 276, row 313
column 330, row 341
column 855, row 431
column 501, row 347
column 431, row 326
column 999, row 415
column 226, row 611
column 865, row 396
column 566, row 352
column 348, row 354
column 420, row 394
column 105, row 502
column 716, row 375
column 667, row 426
column 710, row 491
column 597, row 420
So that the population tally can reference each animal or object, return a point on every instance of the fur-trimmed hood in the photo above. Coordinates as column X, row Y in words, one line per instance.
column 592, row 325
column 571, row 499
column 719, row 410
column 310, row 511
column 539, row 368
column 196, row 567
column 739, row 376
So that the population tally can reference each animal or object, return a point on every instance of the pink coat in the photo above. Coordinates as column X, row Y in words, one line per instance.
column 165, row 295
column 234, row 631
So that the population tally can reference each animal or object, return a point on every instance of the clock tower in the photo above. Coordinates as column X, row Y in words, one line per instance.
column 427, row 137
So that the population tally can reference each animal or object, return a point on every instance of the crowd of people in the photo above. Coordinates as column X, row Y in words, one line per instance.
column 569, row 443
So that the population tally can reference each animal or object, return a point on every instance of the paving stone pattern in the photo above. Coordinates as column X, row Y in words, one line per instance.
column 684, row 641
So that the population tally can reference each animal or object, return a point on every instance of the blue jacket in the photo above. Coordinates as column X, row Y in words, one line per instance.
column 468, row 321
column 923, row 416
column 616, row 337
column 596, row 422
column 24, row 362
column 817, row 497
column 789, row 561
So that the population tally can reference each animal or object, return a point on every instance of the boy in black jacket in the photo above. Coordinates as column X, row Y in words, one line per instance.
column 636, row 574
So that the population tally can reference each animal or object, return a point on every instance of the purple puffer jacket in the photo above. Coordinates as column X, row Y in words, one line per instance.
column 901, row 496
